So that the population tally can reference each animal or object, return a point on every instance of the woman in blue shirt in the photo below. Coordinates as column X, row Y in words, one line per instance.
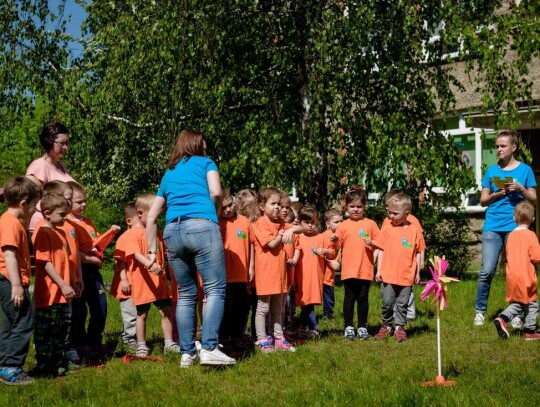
column 504, row 186
column 191, row 192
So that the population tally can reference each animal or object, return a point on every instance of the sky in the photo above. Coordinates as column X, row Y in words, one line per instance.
column 74, row 14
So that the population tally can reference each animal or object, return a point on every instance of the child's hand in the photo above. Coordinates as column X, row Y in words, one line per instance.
column 292, row 262
column 417, row 278
column 68, row 292
column 116, row 228
column 320, row 251
column 155, row 268
column 126, row 288
column 78, row 287
column 378, row 277
column 334, row 264
column 251, row 273
column 333, row 237
column 286, row 235
column 17, row 295
column 95, row 260
column 367, row 240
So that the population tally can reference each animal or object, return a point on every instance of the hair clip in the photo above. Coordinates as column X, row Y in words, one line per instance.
column 356, row 188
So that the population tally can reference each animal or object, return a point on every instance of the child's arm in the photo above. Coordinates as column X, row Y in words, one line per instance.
column 287, row 234
column 88, row 259
column 378, row 277
column 151, row 227
column 80, row 283
column 418, row 267
column 67, row 291
column 12, row 266
column 151, row 266
column 296, row 257
column 125, row 286
column 251, row 262
column 277, row 240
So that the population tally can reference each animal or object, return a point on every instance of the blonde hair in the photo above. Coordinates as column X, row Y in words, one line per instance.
column 144, row 202
column 400, row 200
column 252, row 211
column 524, row 213
column 129, row 210
column 56, row 187
column 242, row 196
column 77, row 188
column 330, row 213
column 512, row 135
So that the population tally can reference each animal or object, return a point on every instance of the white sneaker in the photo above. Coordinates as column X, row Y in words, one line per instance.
column 172, row 348
column 349, row 333
column 479, row 319
column 215, row 358
column 363, row 334
column 516, row 323
column 188, row 360
column 198, row 346
column 142, row 352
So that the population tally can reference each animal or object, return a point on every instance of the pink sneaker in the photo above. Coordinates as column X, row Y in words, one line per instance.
column 533, row 336
column 383, row 333
column 400, row 334
column 283, row 344
column 265, row 346
column 502, row 328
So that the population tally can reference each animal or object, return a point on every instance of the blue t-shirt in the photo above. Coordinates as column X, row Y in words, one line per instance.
column 185, row 189
column 500, row 213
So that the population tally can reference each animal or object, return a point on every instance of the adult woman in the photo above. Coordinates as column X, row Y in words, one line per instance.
column 191, row 191
column 504, row 185
column 54, row 139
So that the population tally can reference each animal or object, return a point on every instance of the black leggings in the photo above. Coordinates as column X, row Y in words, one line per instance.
column 356, row 290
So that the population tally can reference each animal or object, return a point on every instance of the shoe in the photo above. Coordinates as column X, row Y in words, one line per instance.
column 313, row 335
column 283, row 344
column 142, row 352
column 104, row 350
column 132, row 345
column 363, row 334
column 265, row 347
column 172, row 348
column 516, row 323
column 383, row 333
column 502, row 328
column 198, row 346
column 215, row 358
column 479, row 319
column 270, row 339
column 531, row 336
column 400, row 334
column 349, row 333
column 73, row 356
column 188, row 360
column 301, row 334
column 87, row 352
column 14, row 376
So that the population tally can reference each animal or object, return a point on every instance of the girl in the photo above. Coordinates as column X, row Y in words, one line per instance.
column 356, row 238
column 267, row 235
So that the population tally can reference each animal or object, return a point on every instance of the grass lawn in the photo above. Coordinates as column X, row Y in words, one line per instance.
column 332, row 371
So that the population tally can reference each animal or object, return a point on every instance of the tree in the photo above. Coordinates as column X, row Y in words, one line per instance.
column 320, row 95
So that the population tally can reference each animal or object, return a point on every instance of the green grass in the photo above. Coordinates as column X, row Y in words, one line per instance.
column 332, row 371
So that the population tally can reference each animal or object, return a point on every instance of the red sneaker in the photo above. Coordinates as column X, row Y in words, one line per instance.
column 533, row 336
column 383, row 333
column 400, row 334
column 502, row 328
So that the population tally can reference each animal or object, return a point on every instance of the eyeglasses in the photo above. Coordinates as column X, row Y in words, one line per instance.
column 63, row 144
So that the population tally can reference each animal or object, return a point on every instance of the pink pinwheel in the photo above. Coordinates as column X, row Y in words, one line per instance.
column 438, row 285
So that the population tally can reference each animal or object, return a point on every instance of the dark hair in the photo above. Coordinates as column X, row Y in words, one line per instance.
column 20, row 189
column 51, row 202
column 56, row 187
column 266, row 193
column 308, row 213
column 188, row 143
column 49, row 133
column 354, row 194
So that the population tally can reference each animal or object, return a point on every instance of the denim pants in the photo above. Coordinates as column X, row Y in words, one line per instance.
column 308, row 317
column 196, row 245
column 328, row 301
column 17, row 327
column 492, row 245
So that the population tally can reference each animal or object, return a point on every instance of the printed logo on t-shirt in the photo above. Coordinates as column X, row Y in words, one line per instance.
column 405, row 243
column 93, row 234
column 314, row 251
column 72, row 233
column 240, row 234
column 362, row 233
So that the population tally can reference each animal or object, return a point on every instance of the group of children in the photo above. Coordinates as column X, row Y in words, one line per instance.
column 275, row 261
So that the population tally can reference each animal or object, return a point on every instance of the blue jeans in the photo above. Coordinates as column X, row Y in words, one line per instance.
column 196, row 245
column 492, row 245
column 328, row 301
column 308, row 317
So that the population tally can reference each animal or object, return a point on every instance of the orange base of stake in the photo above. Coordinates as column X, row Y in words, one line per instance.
column 440, row 381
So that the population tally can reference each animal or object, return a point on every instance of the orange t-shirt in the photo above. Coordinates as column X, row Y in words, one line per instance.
column 310, row 269
column 50, row 246
column 119, row 257
column 400, row 245
column 413, row 220
column 522, row 250
column 270, row 264
column 357, row 257
column 235, row 234
column 13, row 233
column 146, row 287
column 329, row 273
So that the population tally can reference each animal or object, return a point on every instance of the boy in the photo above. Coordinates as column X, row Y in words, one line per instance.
column 398, row 266
column 522, row 252
column 235, row 233
column 333, row 218
column 54, row 289
column 121, row 283
column 21, row 196
column 93, row 299
column 148, row 280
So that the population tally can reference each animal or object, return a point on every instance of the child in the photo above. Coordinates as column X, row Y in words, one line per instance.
column 93, row 300
column 121, row 283
column 398, row 266
column 314, row 248
column 235, row 233
column 522, row 252
column 245, row 198
column 355, row 237
column 21, row 196
column 411, row 307
column 267, row 235
column 333, row 218
column 148, row 284
column 53, row 290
